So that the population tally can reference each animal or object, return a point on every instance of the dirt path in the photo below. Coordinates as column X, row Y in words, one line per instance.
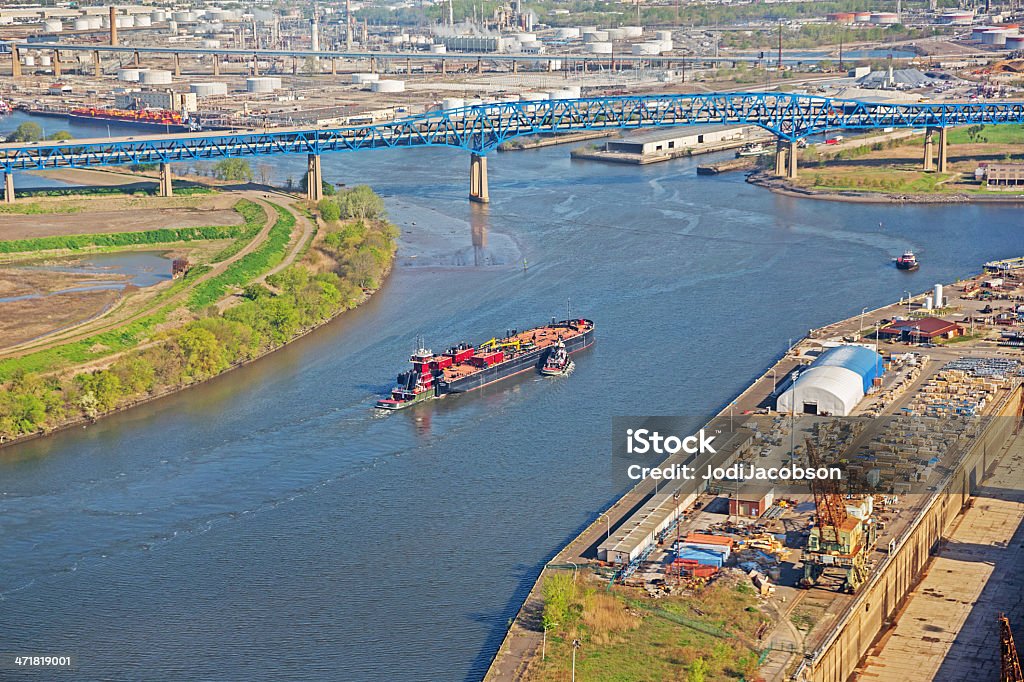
column 308, row 228
column 112, row 320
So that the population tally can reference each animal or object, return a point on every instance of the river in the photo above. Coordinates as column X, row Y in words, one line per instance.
column 270, row 526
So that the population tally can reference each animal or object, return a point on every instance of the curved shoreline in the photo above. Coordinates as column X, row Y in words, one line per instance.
column 170, row 390
column 783, row 187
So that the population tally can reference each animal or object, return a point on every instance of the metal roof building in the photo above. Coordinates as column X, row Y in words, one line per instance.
column 834, row 383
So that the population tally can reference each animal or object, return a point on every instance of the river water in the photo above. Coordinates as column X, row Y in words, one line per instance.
column 269, row 526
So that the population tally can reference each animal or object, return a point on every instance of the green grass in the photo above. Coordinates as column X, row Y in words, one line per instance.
column 250, row 266
column 1000, row 134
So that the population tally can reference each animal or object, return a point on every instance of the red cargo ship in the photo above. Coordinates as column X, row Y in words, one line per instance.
column 155, row 117
column 465, row 367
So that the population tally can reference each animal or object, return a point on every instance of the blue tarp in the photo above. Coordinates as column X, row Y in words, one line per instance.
column 701, row 556
column 864, row 361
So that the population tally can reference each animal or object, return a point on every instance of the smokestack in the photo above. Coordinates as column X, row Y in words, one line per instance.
column 348, row 25
column 314, row 28
column 113, row 25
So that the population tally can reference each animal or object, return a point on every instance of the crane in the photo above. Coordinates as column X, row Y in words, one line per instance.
column 1010, row 670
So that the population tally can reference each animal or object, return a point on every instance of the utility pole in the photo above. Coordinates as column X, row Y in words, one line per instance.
column 779, row 65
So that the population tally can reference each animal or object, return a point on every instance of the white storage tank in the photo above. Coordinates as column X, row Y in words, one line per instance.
column 94, row 23
column 453, row 103
column 651, row 47
column 666, row 45
column 364, row 78
column 438, row 49
column 595, row 37
column 130, row 75
column 53, row 26
column 616, row 34
column 938, row 295
column 1015, row 42
column 573, row 90
column 928, row 303
column 886, row 18
column 81, row 24
column 995, row 36
column 388, row 86
column 127, row 21
column 560, row 94
column 183, row 17
column 633, row 31
column 158, row 16
column 143, row 21
column 567, row 34
column 210, row 43
column 533, row 96
column 156, row 77
column 262, row 84
column 663, row 35
column 599, row 48
column 510, row 98
column 209, row 89
column 45, row 60
column 29, row 60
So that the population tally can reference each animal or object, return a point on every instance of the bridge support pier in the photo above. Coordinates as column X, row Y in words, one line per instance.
column 334, row 66
column 15, row 62
column 785, row 159
column 444, row 68
column 216, row 65
column 929, row 149
column 8, row 187
column 97, row 64
column 57, row 70
column 177, row 65
column 478, row 190
column 943, row 150
column 136, row 61
column 166, row 182
column 479, row 65
column 314, row 179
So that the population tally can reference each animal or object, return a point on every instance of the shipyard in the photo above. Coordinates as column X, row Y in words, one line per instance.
column 263, row 265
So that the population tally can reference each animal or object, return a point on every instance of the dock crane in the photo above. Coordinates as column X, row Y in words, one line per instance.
column 838, row 542
column 1010, row 670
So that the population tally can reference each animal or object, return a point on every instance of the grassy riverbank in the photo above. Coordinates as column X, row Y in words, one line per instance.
column 200, row 326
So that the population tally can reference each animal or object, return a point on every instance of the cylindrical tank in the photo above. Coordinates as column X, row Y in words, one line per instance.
column 158, row 16
column 884, row 18
column 155, row 77
column 94, row 23
column 663, row 35
column 143, row 21
column 862, row 16
column 978, row 31
column 533, row 96
column 210, row 43
column 364, row 78
column 438, row 49
column 130, row 75
column 937, row 295
column 616, row 34
column 45, row 60
column 633, row 31
column 595, row 37
column 928, row 303
column 599, row 48
column 209, row 89
column 526, row 37
column 567, row 34
column 53, row 26
column 995, row 36
column 549, row 64
column 183, row 17
column 29, row 60
column 651, row 47
column 127, row 21
column 1015, row 42
column 453, row 103
column 388, row 86
column 262, row 84
column 842, row 17
column 560, row 94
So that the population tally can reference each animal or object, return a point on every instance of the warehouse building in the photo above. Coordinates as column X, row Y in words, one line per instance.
column 923, row 330
column 834, row 383
column 184, row 102
column 662, row 141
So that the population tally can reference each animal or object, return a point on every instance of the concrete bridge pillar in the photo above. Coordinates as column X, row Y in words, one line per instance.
column 478, row 190
column 57, row 70
column 135, row 59
column 255, row 64
column 177, row 65
column 444, row 68
column 15, row 62
column 373, row 65
column 781, row 162
column 113, row 26
column 216, row 65
column 314, row 179
column 943, row 150
column 96, row 63
column 8, row 187
column 929, row 149
column 408, row 67
column 334, row 66
column 791, row 158
column 166, row 182
column 479, row 65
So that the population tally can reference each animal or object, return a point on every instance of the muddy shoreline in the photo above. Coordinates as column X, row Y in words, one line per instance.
column 785, row 188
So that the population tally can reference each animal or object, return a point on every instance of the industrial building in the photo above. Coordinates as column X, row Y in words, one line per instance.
column 834, row 383
column 661, row 141
column 924, row 329
column 752, row 501
column 184, row 102
column 1001, row 174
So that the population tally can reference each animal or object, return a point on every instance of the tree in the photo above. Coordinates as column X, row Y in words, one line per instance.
column 361, row 202
column 698, row 671
column 29, row 131
column 204, row 356
column 60, row 136
column 329, row 210
column 233, row 170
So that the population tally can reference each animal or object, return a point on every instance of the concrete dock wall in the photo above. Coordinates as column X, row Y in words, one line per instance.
column 884, row 593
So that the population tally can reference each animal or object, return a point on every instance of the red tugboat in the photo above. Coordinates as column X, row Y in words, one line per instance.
column 908, row 261
column 558, row 363
column 465, row 368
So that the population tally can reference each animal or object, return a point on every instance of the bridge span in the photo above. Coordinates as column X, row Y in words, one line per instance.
column 481, row 128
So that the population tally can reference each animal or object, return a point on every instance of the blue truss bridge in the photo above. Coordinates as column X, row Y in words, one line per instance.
column 481, row 128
